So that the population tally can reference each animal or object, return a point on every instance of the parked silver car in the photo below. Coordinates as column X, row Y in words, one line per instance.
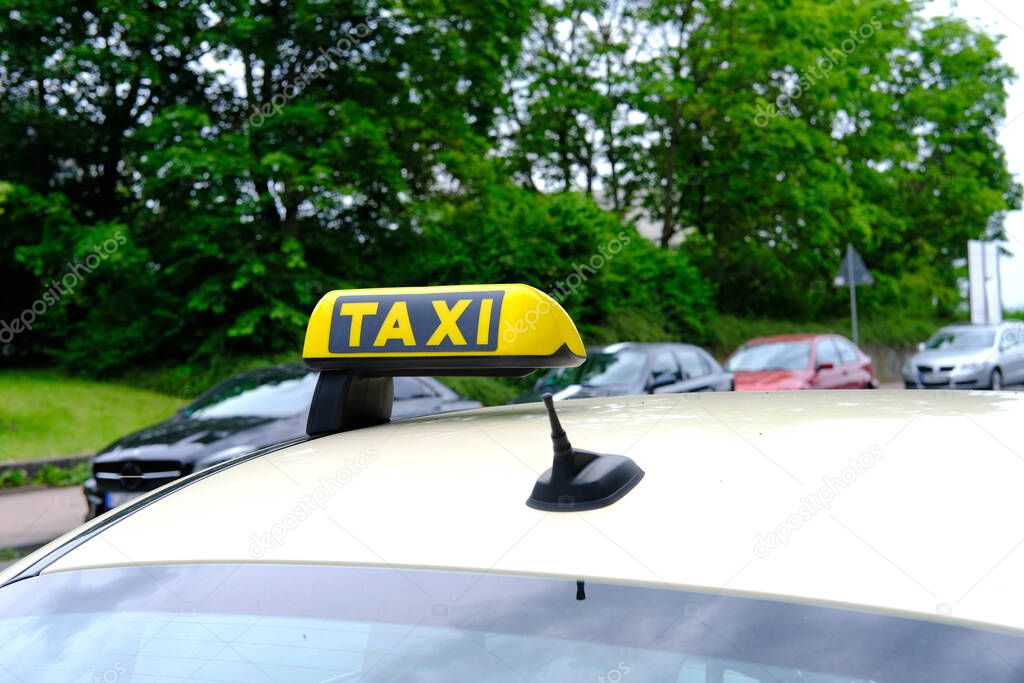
column 969, row 357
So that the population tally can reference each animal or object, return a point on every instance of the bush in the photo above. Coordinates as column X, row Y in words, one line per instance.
column 614, row 283
column 52, row 475
column 48, row 475
column 728, row 332
column 491, row 391
column 12, row 478
column 189, row 379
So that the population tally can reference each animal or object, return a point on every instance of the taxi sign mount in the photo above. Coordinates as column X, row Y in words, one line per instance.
column 361, row 338
column 482, row 329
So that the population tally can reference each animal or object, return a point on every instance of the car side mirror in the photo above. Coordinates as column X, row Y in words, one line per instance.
column 662, row 380
column 920, row 346
column 825, row 366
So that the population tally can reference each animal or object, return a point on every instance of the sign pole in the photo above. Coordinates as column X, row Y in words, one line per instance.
column 853, row 272
column 853, row 291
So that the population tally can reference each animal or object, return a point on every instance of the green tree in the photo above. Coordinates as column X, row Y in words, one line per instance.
column 256, row 154
column 767, row 135
column 78, row 79
column 613, row 282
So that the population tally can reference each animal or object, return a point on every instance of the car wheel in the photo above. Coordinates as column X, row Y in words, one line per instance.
column 996, row 382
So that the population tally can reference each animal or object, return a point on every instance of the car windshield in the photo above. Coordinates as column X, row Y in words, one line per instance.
column 789, row 355
column 326, row 624
column 961, row 339
column 279, row 393
column 601, row 369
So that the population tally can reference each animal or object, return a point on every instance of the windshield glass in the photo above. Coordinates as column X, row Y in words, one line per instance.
column 277, row 393
column 323, row 624
column 790, row 355
column 601, row 370
column 961, row 339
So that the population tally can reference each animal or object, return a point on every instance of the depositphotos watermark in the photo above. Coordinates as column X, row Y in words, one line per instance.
column 616, row 674
column 111, row 675
column 813, row 503
column 73, row 276
column 565, row 288
column 821, row 70
column 326, row 60
column 309, row 504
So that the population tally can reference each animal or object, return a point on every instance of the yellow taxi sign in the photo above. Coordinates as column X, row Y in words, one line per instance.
column 463, row 329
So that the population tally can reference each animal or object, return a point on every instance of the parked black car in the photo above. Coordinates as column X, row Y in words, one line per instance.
column 631, row 368
column 249, row 411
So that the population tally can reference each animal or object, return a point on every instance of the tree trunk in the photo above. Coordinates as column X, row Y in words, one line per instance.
column 261, row 183
column 668, row 228
column 565, row 163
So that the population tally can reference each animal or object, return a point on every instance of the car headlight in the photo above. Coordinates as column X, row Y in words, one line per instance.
column 908, row 366
column 969, row 367
column 220, row 456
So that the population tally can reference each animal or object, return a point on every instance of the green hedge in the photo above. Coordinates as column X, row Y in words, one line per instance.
column 603, row 272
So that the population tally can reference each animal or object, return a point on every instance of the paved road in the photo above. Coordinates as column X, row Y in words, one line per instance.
column 35, row 517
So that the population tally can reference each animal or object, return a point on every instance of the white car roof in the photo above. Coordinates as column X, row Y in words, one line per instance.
column 905, row 502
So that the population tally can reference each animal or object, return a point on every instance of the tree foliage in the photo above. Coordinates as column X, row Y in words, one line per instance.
column 224, row 162
column 767, row 135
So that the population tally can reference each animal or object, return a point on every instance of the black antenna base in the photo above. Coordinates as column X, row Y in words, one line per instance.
column 581, row 480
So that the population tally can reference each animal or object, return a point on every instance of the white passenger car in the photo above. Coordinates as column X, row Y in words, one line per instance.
column 819, row 537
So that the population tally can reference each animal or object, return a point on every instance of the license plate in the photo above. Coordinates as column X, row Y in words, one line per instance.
column 114, row 500
column 934, row 378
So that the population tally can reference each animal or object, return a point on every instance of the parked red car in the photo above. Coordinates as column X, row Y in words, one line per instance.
column 801, row 361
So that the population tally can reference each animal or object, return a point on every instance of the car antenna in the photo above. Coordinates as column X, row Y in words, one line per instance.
column 580, row 480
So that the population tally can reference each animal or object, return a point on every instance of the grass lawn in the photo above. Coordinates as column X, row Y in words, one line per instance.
column 47, row 414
